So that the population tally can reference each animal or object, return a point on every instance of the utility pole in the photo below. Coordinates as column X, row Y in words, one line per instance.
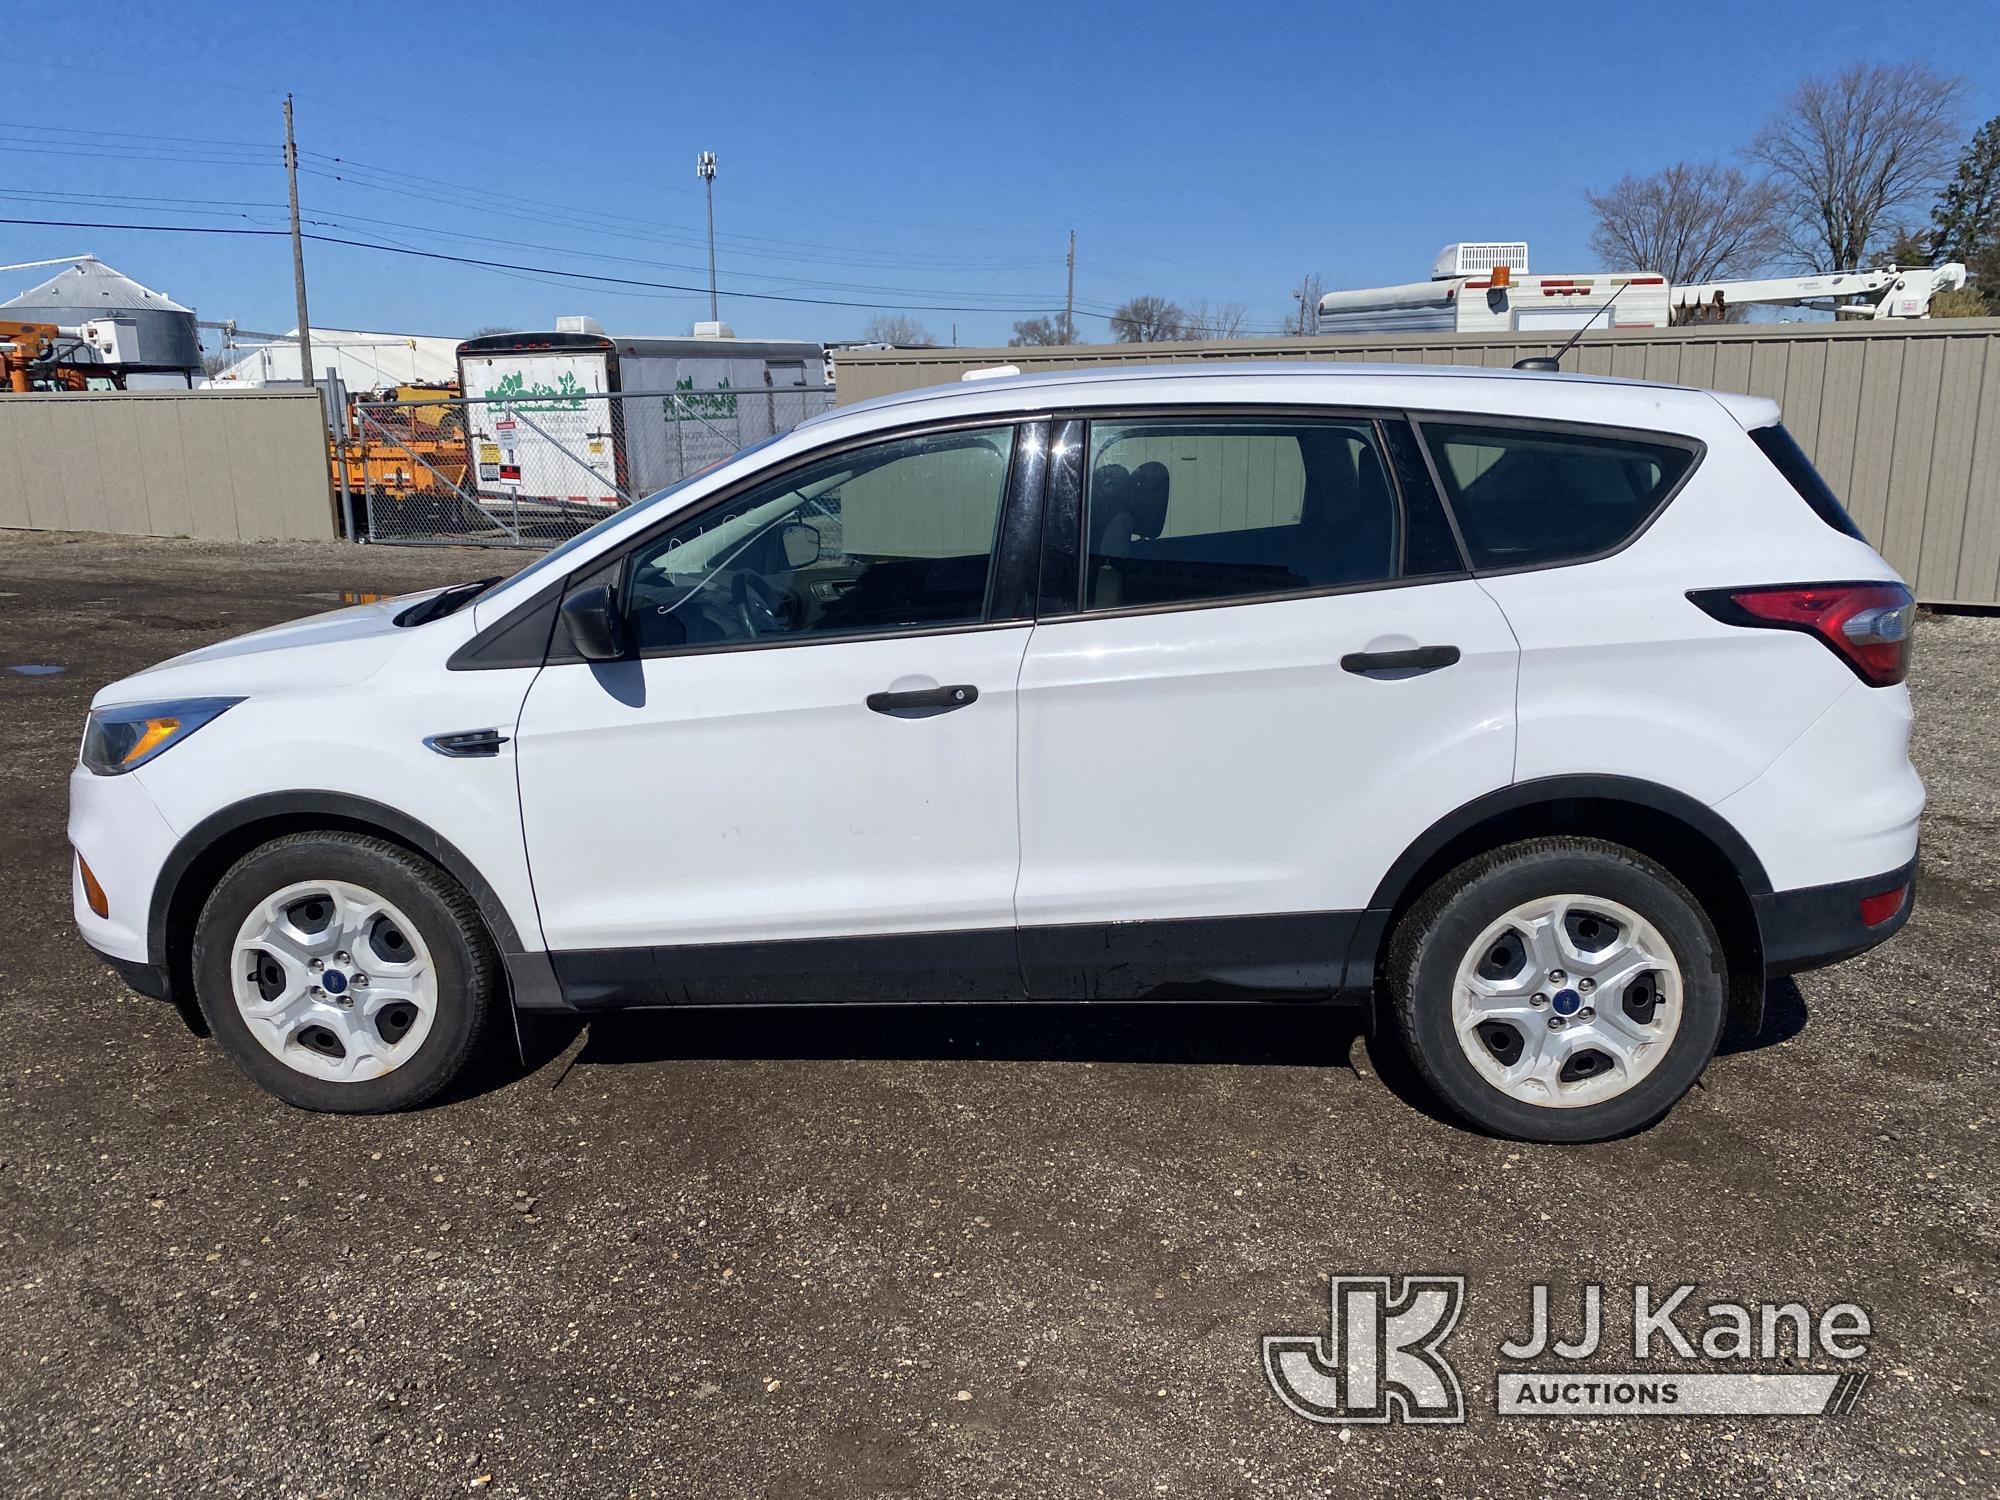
column 704, row 168
column 1307, row 295
column 298, row 249
column 1069, row 296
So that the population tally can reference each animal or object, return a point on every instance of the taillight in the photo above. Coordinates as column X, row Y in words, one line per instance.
column 1866, row 624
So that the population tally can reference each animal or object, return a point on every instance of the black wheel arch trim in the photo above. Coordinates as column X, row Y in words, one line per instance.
column 1521, row 795
column 351, row 811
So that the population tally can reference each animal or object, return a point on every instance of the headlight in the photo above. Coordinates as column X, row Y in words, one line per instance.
column 121, row 739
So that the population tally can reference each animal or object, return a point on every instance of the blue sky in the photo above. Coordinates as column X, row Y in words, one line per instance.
column 880, row 154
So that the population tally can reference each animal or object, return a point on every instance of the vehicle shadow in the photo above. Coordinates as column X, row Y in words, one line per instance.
column 1785, row 1016
column 1181, row 1032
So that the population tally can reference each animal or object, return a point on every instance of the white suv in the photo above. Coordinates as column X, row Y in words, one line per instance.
column 1558, row 713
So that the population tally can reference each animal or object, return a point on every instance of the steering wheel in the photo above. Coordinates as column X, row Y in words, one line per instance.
column 761, row 607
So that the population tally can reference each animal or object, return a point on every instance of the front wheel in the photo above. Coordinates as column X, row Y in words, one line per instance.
column 344, row 973
column 1560, row 989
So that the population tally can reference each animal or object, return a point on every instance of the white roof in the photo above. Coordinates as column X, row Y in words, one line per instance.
column 364, row 361
column 95, row 289
column 1538, row 393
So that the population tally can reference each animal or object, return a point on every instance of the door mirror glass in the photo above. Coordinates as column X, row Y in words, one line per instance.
column 802, row 545
column 595, row 623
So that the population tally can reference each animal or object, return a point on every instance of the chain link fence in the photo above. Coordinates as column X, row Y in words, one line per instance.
column 515, row 471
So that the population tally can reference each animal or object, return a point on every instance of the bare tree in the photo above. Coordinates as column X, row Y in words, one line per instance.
column 903, row 332
column 1213, row 320
column 1850, row 154
column 1147, row 320
column 1034, row 331
column 1692, row 222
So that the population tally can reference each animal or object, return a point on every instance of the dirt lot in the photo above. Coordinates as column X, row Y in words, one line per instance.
column 939, row 1253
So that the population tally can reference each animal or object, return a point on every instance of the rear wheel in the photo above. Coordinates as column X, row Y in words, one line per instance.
column 344, row 973
column 1560, row 989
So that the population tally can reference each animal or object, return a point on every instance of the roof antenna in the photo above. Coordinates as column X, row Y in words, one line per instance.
column 1553, row 364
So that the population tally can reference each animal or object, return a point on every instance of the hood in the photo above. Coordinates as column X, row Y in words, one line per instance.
column 336, row 649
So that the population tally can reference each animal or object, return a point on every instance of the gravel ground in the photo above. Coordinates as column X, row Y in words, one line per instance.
column 935, row 1253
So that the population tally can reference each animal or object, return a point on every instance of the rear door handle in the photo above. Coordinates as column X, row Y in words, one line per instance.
column 924, row 703
column 1411, row 663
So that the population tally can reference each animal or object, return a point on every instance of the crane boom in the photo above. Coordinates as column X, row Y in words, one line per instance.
column 1896, row 292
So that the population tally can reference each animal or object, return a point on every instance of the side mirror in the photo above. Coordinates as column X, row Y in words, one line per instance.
column 801, row 545
column 595, row 623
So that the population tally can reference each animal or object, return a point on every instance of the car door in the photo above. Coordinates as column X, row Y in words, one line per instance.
column 800, row 784
column 1259, row 673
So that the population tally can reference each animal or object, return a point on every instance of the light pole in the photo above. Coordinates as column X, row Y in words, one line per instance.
column 704, row 168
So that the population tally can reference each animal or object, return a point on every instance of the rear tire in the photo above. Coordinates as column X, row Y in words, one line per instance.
column 1559, row 990
column 345, row 974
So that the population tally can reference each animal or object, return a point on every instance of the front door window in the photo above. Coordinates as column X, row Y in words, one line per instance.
column 897, row 536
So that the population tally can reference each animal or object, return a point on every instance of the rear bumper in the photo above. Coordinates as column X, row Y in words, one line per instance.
column 1818, row 925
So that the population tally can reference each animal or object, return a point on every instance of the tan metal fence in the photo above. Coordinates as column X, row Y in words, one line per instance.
column 525, row 472
column 1904, row 420
column 239, row 466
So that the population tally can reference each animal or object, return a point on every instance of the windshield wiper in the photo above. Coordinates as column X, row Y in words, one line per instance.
column 446, row 601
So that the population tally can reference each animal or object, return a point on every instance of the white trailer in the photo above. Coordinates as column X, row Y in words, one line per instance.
column 579, row 416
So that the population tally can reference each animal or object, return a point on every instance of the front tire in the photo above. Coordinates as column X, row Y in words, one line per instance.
column 1559, row 990
column 345, row 974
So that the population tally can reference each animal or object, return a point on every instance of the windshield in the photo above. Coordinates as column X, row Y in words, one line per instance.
column 551, row 562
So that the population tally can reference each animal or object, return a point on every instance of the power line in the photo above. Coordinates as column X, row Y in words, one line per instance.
column 501, row 265
column 231, row 208
column 186, row 140
column 359, row 174
column 684, row 242
column 61, row 149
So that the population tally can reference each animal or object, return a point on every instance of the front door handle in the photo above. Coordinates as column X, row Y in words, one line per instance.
column 1411, row 663
column 924, row 703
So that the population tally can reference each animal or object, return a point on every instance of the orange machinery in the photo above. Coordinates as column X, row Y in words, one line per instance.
column 414, row 441
column 27, row 352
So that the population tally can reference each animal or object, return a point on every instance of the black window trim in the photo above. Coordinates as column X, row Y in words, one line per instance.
column 1062, row 524
column 1822, row 502
column 1014, row 500
column 1375, row 418
column 1694, row 446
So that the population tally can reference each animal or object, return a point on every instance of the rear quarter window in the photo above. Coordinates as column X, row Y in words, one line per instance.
column 1790, row 460
column 1530, row 497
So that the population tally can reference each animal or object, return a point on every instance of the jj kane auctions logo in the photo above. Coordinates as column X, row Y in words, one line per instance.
column 1382, row 1357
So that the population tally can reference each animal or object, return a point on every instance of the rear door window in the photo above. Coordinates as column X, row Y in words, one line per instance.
column 1530, row 496
column 1191, row 509
column 1790, row 459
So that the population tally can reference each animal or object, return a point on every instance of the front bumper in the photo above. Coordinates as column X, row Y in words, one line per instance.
column 114, row 823
column 1818, row 925
column 147, row 979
